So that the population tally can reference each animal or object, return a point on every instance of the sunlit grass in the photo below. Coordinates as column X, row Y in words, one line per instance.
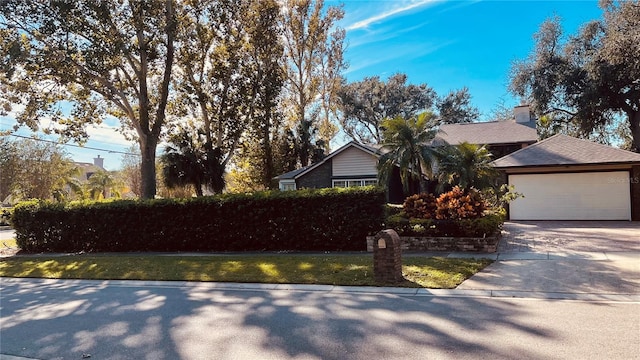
column 8, row 243
column 433, row 272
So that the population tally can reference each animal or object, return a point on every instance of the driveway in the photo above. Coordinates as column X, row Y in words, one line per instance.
column 563, row 236
column 560, row 259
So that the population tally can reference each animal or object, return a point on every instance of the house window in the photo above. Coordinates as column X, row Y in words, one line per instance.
column 354, row 182
column 287, row 185
column 339, row 183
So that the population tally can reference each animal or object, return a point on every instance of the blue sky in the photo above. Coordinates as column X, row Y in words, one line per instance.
column 451, row 44
column 445, row 44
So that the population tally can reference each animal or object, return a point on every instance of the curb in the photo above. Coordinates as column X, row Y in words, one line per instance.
column 335, row 289
column 12, row 357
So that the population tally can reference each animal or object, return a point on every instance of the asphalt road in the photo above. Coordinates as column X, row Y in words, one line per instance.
column 54, row 319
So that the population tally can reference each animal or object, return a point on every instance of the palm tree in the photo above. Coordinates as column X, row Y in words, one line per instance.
column 466, row 165
column 408, row 144
column 68, row 184
column 189, row 162
column 102, row 184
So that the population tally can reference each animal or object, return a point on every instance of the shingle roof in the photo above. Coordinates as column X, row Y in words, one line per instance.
column 291, row 174
column 566, row 150
column 486, row 133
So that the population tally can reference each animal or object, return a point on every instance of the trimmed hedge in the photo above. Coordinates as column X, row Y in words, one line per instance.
column 303, row 220
column 488, row 225
column 5, row 216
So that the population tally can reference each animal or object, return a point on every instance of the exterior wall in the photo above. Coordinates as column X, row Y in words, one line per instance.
column 319, row 177
column 354, row 162
column 635, row 193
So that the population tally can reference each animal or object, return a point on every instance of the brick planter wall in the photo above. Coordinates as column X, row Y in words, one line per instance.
column 418, row 243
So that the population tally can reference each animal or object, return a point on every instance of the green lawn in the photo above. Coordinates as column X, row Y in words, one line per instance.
column 428, row 272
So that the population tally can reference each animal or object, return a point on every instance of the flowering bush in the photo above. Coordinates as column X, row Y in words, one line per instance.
column 460, row 204
column 420, row 206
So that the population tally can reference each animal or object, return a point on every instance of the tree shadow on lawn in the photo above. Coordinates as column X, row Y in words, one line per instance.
column 130, row 320
column 354, row 270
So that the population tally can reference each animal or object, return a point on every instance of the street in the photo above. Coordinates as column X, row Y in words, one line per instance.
column 56, row 319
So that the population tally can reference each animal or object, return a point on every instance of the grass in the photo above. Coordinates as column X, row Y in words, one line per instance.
column 355, row 270
column 8, row 243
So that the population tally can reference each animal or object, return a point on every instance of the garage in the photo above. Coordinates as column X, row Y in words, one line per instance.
column 565, row 178
column 572, row 196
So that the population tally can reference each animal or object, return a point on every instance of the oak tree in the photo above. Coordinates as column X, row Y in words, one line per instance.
column 588, row 80
column 75, row 62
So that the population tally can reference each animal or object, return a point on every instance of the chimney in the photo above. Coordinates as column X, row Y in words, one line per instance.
column 522, row 113
column 99, row 162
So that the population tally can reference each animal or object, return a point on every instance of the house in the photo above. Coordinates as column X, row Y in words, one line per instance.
column 565, row 178
column 353, row 164
column 499, row 137
column 88, row 169
column 561, row 178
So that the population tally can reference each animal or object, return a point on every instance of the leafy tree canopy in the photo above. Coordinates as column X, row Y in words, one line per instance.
column 33, row 169
column 97, row 57
column 366, row 104
column 588, row 80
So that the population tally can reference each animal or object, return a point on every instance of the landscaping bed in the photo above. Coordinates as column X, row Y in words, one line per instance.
column 458, row 220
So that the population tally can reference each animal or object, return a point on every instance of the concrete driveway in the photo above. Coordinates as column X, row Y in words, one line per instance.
column 564, row 236
column 564, row 259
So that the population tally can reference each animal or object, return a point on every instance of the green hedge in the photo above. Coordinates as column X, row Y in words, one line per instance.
column 303, row 220
column 5, row 216
column 488, row 225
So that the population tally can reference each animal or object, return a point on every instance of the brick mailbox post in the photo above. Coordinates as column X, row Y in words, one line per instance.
column 387, row 262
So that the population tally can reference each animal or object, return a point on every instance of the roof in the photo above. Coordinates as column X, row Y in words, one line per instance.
column 566, row 150
column 292, row 174
column 487, row 133
column 375, row 150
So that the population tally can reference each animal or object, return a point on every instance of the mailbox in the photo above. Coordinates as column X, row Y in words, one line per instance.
column 387, row 261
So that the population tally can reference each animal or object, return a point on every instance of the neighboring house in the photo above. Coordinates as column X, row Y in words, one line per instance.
column 88, row 169
column 565, row 178
column 500, row 137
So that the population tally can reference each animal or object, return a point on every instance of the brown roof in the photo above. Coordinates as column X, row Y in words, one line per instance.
column 566, row 150
column 487, row 133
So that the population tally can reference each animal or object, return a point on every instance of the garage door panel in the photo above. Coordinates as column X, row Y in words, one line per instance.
column 572, row 196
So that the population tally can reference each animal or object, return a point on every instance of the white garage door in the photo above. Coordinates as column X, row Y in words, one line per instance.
column 575, row 196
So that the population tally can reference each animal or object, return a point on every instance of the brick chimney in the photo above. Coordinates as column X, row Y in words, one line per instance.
column 99, row 162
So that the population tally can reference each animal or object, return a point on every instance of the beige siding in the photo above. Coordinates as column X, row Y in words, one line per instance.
column 354, row 162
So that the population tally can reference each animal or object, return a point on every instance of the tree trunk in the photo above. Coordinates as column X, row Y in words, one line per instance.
column 634, row 125
column 148, row 167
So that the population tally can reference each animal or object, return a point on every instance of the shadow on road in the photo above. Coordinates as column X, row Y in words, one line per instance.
column 65, row 319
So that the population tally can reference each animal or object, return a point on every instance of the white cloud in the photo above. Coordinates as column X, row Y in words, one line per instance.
column 404, row 7
column 395, row 53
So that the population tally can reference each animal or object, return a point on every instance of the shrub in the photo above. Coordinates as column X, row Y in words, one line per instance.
column 420, row 206
column 5, row 216
column 460, row 204
column 303, row 220
column 489, row 225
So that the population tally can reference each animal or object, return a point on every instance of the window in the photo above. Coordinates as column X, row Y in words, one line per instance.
column 287, row 185
column 339, row 183
column 354, row 182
